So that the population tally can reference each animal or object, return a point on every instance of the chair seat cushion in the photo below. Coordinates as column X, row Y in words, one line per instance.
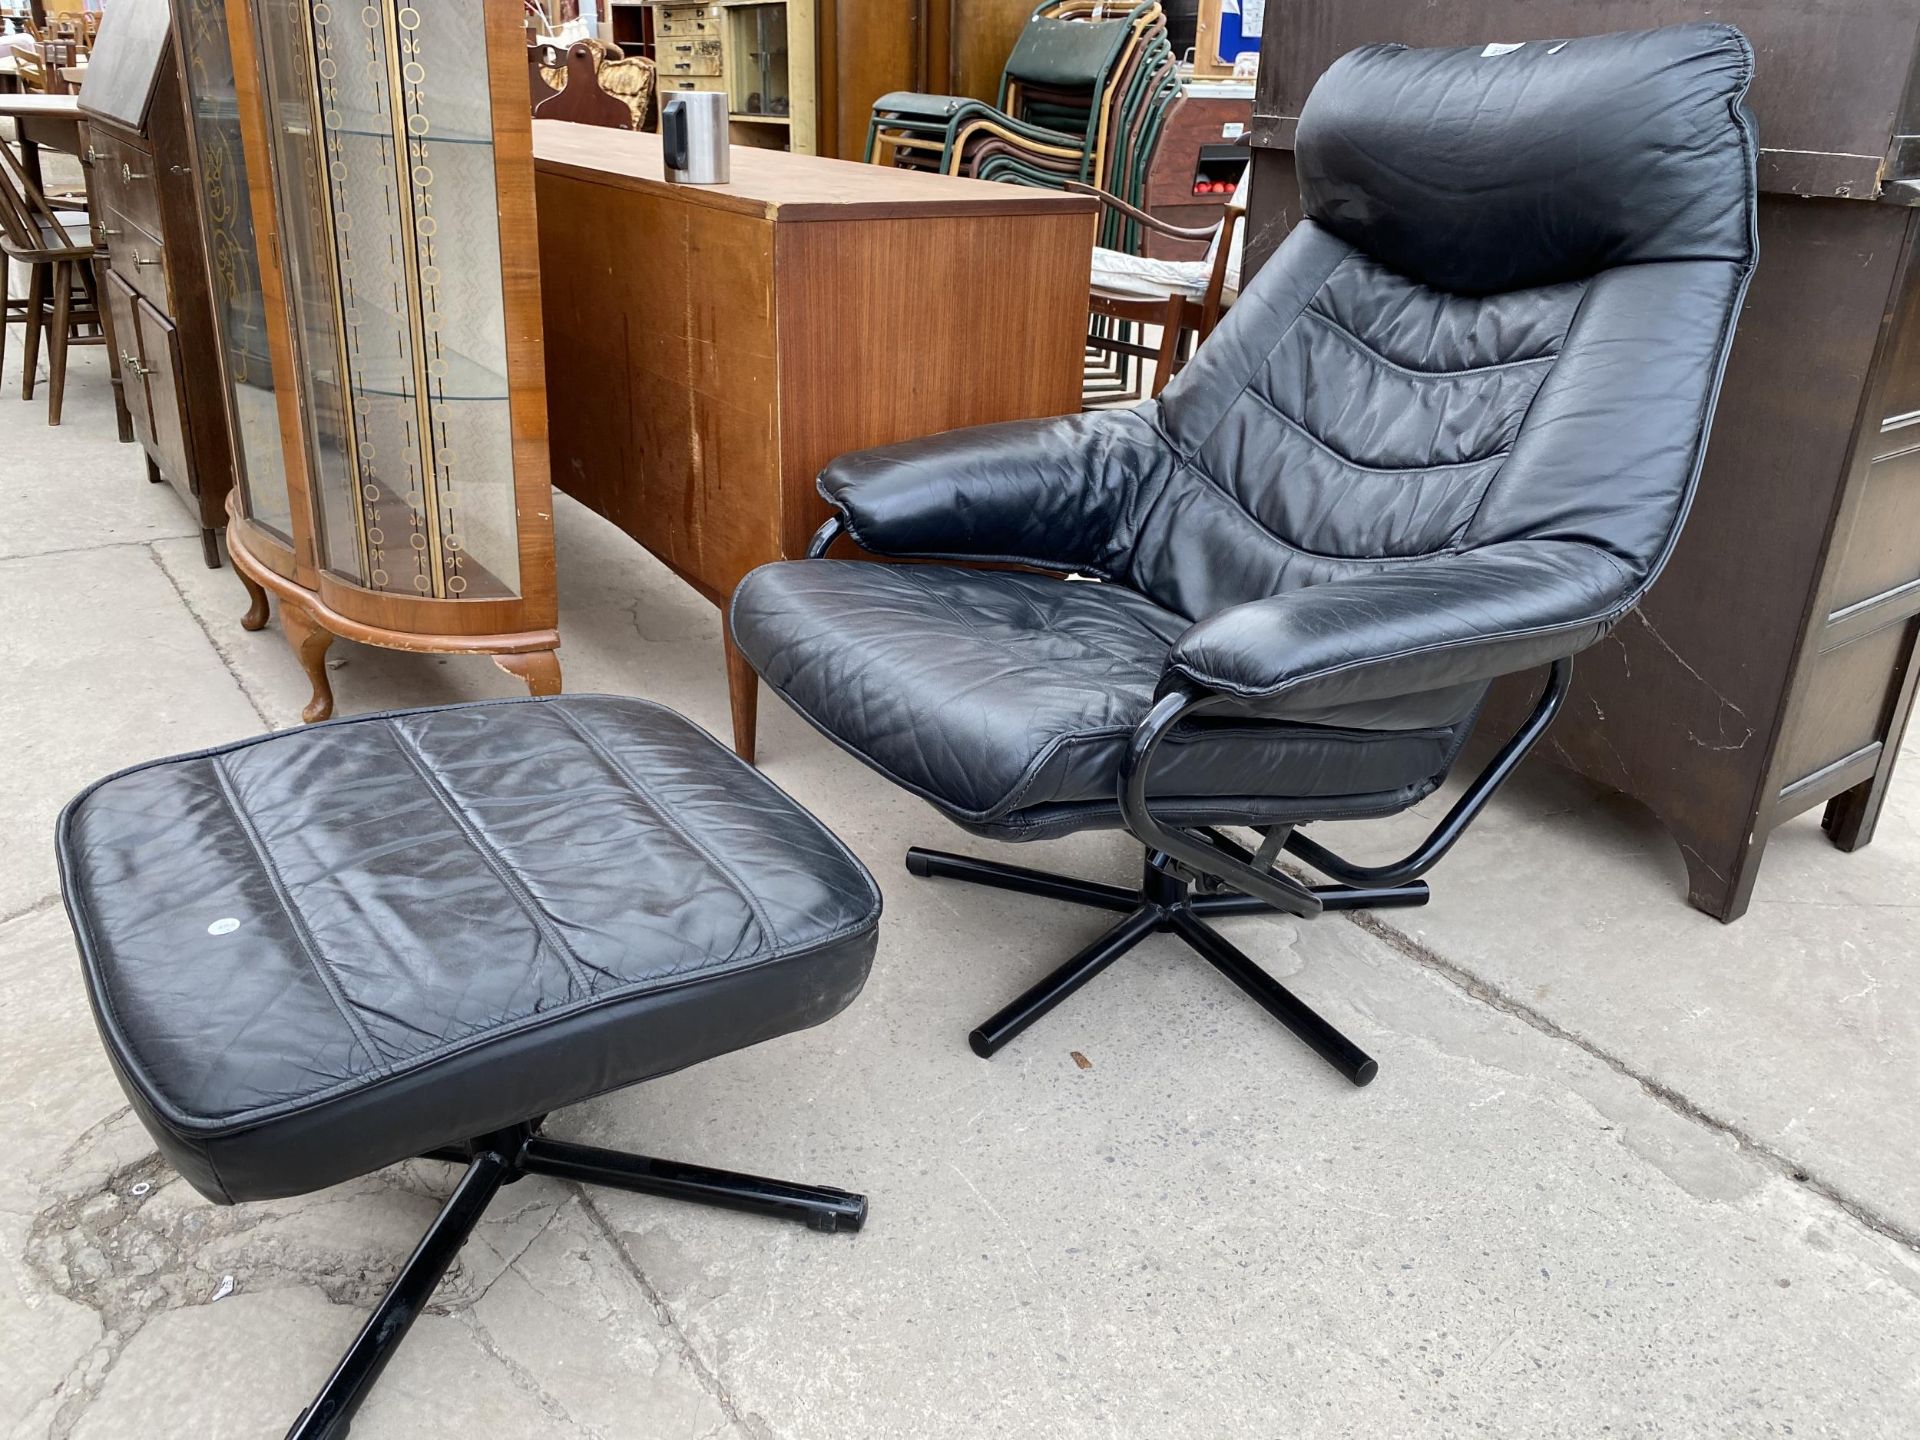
column 1137, row 277
column 1007, row 699
column 316, row 953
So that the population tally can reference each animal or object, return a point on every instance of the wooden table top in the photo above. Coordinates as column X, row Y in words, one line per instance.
column 41, row 107
column 787, row 188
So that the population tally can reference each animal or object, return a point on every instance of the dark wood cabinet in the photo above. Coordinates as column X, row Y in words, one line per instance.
column 153, row 264
column 1772, row 668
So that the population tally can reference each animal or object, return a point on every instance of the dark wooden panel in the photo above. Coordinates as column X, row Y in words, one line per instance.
column 121, row 301
column 124, row 178
column 1881, row 552
column 1849, row 694
column 984, row 32
column 865, row 49
column 160, row 354
column 1829, row 84
column 1901, row 408
column 126, row 62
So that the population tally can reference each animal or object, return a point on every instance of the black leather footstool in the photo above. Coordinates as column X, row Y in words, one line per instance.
column 317, row 953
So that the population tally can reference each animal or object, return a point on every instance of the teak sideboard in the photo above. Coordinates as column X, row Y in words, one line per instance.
column 711, row 348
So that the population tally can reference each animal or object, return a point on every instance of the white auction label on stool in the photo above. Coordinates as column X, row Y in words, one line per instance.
column 226, row 925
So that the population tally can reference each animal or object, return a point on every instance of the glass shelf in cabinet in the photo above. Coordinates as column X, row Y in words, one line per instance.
column 464, row 381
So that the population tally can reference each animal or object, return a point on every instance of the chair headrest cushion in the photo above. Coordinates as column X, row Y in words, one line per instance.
column 1486, row 169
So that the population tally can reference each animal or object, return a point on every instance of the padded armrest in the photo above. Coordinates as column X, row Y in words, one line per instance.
column 1048, row 493
column 1416, row 627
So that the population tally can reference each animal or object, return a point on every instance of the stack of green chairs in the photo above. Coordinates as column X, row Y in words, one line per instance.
column 1083, row 100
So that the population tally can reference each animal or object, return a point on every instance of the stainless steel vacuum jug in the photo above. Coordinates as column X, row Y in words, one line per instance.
column 693, row 132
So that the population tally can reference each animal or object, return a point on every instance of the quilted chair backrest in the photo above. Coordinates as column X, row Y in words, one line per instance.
column 1504, row 317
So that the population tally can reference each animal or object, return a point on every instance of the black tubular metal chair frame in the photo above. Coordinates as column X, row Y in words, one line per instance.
column 1193, row 875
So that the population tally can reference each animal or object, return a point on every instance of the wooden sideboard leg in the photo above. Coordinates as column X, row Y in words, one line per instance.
column 1720, row 870
column 154, row 477
column 1852, row 814
column 210, row 546
column 540, row 669
column 256, row 616
column 310, row 640
column 743, row 694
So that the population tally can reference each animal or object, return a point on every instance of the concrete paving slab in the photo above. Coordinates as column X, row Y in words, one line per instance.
column 78, row 485
column 1797, row 1026
column 1208, row 1231
column 243, row 1367
column 104, row 667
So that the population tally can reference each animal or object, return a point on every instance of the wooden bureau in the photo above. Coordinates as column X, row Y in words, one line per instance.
column 1773, row 668
column 711, row 347
column 153, row 267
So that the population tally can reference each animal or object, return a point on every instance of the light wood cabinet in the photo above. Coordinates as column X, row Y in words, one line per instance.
column 384, row 293
column 759, row 53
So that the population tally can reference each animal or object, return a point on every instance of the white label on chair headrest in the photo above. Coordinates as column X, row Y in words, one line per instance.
column 226, row 925
column 1496, row 50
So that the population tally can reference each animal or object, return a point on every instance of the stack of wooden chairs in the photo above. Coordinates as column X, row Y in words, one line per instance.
column 65, row 40
column 1083, row 99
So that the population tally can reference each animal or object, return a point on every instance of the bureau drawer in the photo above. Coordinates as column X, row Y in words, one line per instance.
column 671, row 83
column 124, row 180
column 686, row 22
column 689, row 57
column 124, row 321
column 138, row 258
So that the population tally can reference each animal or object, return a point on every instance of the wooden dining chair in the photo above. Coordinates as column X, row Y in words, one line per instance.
column 62, row 299
column 1184, row 298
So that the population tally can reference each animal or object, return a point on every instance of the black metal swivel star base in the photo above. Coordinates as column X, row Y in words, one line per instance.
column 497, row 1160
column 1164, row 903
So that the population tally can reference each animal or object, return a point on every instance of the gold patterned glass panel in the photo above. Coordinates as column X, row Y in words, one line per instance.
column 234, row 258
column 397, row 285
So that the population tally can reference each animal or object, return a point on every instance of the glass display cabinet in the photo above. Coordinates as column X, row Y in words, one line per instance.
column 368, row 175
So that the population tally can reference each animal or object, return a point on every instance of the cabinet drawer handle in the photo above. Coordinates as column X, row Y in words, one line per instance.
column 93, row 156
column 181, row 169
column 146, row 260
column 128, row 174
column 132, row 362
column 104, row 230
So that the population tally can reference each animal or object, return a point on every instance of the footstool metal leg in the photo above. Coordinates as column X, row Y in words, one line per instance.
column 820, row 1207
column 331, row 1414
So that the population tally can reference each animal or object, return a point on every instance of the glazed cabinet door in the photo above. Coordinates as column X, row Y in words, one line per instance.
column 380, row 123
column 233, row 263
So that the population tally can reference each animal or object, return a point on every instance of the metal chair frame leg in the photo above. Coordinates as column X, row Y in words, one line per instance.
column 1181, row 886
column 495, row 1161
column 1165, row 903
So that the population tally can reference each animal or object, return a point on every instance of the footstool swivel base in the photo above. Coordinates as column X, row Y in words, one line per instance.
column 498, row 1160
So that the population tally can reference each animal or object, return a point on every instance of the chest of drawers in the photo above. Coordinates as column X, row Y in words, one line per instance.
column 152, row 267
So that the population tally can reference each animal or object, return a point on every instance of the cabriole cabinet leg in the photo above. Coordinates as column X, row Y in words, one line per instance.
column 310, row 640
column 540, row 669
column 257, row 611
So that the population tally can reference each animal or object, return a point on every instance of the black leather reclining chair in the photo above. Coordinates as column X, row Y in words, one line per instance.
column 1449, row 432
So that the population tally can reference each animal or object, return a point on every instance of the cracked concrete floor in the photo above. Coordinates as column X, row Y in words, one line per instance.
column 1625, row 1170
